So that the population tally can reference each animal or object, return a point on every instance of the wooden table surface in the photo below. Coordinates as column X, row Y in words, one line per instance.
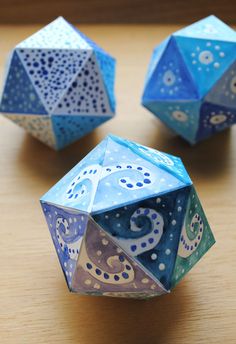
column 35, row 305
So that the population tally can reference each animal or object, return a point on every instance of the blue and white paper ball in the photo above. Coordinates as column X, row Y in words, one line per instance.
column 59, row 85
column 126, row 221
column 191, row 80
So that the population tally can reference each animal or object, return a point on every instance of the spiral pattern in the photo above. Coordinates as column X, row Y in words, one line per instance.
column 147, row 242
column 68, row 241
column 189, row 241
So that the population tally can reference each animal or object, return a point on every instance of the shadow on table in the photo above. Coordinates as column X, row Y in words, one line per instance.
column 49, row 164
column 207, row 159
column 113, row 320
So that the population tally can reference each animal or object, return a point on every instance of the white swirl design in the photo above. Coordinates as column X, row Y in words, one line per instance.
column 117, row 262
column 69, row 242
column 136, row 246
column 186, row 245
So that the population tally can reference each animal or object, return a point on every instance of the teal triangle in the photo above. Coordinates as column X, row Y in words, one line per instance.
column 206, row 60
column 211, row 28
column 170, row 78
column 68, row 129
column 19, row 95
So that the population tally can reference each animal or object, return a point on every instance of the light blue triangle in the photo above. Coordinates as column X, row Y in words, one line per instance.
column 181, row 117
column 170, row 78
column 211, row 28
column 19, row 95
column 167, row 162
column 128, row 175
column 206, row 60
column 82, row 180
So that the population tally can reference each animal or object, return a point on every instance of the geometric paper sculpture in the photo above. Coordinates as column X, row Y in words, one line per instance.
column 59, row 85
column 191, row 80
column 126, row 221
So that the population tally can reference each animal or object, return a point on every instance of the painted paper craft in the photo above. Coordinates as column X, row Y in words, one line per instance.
column 59, row 85
column 191, row 80
column 126, row 221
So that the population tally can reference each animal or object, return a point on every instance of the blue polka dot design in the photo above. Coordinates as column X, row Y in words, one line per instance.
column 159, row 260
column 170, row 78
column 52, row 71
column 68, row 129
column 87, row 94
column 67, row 228
column 107, row 67
column 18, row 94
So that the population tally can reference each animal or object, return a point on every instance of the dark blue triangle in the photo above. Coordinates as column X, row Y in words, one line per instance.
column 170, row 79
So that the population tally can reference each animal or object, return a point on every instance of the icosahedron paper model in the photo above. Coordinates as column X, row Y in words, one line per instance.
column 59, row 85
column 126, row 221
column 191, row 81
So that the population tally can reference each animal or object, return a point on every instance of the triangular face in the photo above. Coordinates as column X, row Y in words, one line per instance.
column 170, row 79
column 78, row 187
column 103, row 267
column 107, row 69
column 167, row 162
column 157, row 54
column 38, row 126
column 57, row 35
column 86, row 95
column 127, row 177
column 224, row 91
column 182, row 117
column 52, row 71
column 19, row 95
column 206, row 60
column 213, row 119
column 67, row 228
column 69, row 128
column 210, row 28
column 195, row 240
column 149, row 231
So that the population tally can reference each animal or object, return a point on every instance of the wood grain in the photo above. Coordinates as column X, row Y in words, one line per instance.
column 113, row 11
column 35, row 305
